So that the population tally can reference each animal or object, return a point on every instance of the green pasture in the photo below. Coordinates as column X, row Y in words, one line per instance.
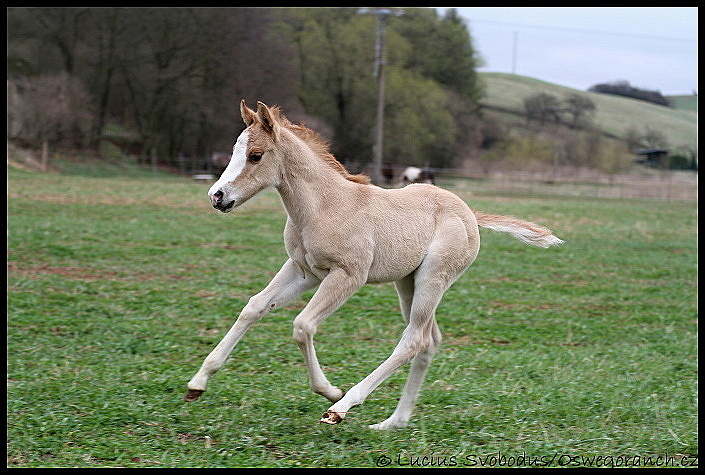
column 119, row 284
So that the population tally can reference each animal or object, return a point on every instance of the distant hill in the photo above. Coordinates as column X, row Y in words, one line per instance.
column 614, row 115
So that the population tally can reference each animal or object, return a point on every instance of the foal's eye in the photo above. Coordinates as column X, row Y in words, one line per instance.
column 255, row 157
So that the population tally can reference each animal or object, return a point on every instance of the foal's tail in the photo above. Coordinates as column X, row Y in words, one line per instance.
column 531, row 233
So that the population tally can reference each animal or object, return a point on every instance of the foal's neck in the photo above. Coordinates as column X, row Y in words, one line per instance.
column 309, row 187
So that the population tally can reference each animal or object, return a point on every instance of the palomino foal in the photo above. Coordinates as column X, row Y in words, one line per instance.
column 342, row 232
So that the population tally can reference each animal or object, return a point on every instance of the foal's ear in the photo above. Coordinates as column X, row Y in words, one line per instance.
column 248, row 115
column 266, row 118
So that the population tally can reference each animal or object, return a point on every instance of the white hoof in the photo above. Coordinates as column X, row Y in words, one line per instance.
column 389, row 424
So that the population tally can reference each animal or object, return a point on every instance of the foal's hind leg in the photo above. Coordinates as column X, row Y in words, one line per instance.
column 419, row 368
column 417, row 339
column 419, row 365
column 454, row 248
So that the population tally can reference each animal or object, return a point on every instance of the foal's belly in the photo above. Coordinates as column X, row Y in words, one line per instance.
column 389, row 261
column 393, row 266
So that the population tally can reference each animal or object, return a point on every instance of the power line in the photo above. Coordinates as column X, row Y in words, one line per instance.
column 580, row 30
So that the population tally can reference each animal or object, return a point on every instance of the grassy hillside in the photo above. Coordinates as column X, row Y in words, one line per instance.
column 614, row 115
column 687, row 102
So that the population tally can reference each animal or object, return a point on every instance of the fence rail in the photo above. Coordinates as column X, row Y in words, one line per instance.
column 668, row 185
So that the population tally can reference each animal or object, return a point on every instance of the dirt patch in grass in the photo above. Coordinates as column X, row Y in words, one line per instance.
column 71, row 272
column 86, row 274
column 96, row 199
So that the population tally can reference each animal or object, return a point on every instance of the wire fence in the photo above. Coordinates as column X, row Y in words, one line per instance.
column 667, row 185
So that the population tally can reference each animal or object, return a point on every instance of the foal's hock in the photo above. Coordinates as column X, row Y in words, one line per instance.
column 341, row 233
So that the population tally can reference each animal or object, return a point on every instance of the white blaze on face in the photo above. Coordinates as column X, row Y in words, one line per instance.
column 235, row 167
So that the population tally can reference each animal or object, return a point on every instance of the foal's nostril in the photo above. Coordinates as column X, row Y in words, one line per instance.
column 217, row 198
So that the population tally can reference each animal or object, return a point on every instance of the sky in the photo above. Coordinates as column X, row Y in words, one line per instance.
column 653, row 48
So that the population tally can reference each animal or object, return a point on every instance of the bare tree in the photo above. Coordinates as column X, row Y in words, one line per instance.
column 654, row 138
column 542, row 107
column 633, row 139
column 579, row 109
column 51, row 109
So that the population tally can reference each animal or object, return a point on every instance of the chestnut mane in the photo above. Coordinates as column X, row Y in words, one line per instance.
column 319, row 146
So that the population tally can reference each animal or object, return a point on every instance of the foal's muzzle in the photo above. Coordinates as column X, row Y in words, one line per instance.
column 217, row 201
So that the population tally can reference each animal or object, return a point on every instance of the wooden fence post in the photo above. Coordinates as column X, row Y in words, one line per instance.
column 45, row 155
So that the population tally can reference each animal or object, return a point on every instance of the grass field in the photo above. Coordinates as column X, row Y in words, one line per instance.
column 583, row 355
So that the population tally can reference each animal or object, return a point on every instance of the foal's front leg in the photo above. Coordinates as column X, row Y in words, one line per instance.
column 289, row 283
column 334, row 290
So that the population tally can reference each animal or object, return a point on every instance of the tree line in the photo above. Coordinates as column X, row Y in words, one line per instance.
column 168, row 81
column 624, row 89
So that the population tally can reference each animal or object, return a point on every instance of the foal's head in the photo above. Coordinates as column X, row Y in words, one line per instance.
column 259, row 153
column 254, row 164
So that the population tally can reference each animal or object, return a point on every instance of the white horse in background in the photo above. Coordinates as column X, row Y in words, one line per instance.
column 416, row 175
column 341, row 233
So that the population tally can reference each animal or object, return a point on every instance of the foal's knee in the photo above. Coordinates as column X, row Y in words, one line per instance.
column 255, row 309
column 416, row 342
column 303, row 331
column 436, row 339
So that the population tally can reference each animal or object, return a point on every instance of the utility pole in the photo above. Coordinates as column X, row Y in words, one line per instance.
column 514, row 54
column 382, row 15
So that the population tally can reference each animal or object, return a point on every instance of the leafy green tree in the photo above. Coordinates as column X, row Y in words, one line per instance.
column 335, row 60
column 419, row 129
column 428, row 59
column 441, row 49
